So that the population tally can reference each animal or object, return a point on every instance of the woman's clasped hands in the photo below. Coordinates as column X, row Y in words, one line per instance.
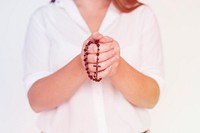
column 108, row 57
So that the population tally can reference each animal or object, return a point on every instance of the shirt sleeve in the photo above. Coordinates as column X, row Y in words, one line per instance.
column 35, row 52
column 152, row 53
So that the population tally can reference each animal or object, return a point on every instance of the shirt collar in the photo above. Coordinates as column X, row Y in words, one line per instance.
column 72, row 10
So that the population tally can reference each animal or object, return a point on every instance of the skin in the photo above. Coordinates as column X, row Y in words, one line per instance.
column 51, row 91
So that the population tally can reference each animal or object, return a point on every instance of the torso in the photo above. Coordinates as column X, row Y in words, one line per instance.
column 67, row 32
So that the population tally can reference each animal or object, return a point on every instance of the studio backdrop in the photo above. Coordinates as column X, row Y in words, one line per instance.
column 178, row 110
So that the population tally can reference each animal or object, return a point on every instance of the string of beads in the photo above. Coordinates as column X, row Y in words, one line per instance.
column 92, row 76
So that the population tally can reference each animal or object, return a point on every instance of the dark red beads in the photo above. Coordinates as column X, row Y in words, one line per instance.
column 92, row 76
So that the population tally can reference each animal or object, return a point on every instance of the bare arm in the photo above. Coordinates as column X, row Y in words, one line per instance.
column 53, row 90
column 138, row 89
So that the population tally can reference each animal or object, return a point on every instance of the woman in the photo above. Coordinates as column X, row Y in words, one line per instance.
column 129, row 65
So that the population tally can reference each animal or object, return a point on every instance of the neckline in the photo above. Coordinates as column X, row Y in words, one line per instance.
column 85, row 20
column 73, row 11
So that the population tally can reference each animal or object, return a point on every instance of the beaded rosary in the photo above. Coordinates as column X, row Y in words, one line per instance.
column 93, row 77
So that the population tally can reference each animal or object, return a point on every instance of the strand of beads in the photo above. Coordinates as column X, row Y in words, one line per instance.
column 93, row 77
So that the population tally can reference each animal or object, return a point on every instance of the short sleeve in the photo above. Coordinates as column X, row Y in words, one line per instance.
column 36, row 51
column 152, row 53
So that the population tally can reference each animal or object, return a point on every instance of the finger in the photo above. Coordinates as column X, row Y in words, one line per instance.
column 101, row 66
column 96, row 36
column 104, row 73
column 105, row 39
column 104, row 65
column 92, row 58
column 92, row 49
column 106, row 55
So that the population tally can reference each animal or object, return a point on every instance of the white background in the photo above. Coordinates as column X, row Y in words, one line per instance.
column 179, row 108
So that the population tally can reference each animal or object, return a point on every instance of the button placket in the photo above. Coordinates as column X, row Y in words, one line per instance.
column 99, row 107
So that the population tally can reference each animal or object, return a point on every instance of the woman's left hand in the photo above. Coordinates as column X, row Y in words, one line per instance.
column 110, row 65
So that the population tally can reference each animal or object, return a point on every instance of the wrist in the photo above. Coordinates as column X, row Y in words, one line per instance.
column 116, row 70
column 81, row 67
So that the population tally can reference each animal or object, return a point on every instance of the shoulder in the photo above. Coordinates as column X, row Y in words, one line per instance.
column 140, row 14
column 143, row 14
column 43, row 11
column 143, row 11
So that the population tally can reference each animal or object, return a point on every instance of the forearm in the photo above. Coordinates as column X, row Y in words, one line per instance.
column 139, row 89
column 53, row 90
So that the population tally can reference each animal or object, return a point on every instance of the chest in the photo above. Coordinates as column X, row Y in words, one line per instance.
column 67, row 37
column 93, row 19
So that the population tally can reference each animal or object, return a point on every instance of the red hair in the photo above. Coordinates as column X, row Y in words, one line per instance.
column 124, row 5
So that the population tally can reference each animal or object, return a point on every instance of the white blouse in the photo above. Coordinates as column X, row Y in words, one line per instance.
column 55, row 35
